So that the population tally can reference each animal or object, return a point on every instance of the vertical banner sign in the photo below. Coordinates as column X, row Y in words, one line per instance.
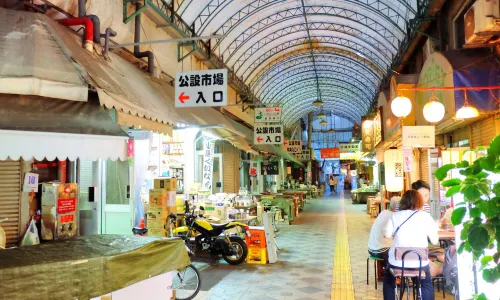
column 293, row 146
column 419, row 136
column 367, row 135
column 407, row 159
column 268, row 134
column 377, row 128
column 267, row 115
column 208, row 164
column 201, row 88
column 398, row 172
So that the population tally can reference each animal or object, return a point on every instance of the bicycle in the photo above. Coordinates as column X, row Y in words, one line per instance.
column 186, row 282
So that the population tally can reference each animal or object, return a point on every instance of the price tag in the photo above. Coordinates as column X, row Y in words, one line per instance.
column 30, row 183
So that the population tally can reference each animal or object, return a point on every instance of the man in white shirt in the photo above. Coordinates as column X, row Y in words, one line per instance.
column 378, row 244
column 410, row 228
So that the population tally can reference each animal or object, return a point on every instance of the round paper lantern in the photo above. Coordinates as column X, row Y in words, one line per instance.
column 401, row 106
column 434, row 111
column 467, row 112
column 393, row 162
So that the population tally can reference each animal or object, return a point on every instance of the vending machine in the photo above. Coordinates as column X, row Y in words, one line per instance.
column 59, row 210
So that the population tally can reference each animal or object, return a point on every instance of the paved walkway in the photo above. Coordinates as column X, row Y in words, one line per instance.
column 328, row 238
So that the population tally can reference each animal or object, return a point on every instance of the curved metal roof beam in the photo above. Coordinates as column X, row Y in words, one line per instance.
column 321, row 27
column 261, row 59
column 303, row 58
column 270, row 95
column 299, row 111
column 324, row 51
column 358, row 78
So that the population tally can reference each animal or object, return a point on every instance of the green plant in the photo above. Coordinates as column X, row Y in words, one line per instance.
column 481, row 230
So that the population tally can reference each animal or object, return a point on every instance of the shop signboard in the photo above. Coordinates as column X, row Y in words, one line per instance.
column 407, row 159
column 208, row 164
column 293, row 146
column 305, row 155
column 270, row 168
column 201, row 88
column 349, row 156
column 419, row 136
column 350, row 147
column 330, row 153
column 268, row 134
column 367, row 135
column 253, row 171
column 377, row 128
column 267, row 114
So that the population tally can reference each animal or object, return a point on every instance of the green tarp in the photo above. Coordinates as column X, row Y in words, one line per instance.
column 86, row 267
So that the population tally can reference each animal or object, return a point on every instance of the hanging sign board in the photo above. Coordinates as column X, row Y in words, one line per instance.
column 208, row 164
column 367, row 135
column 293, row 146
column 377, row 128
column 267, row 114
column 253, row 171
column 407, row 159
column 305, row 155
column 270, row 168
column 30, row 183
column 419, row 136
column 330, row 153
column 201, row 88
column 268, row 134
column 350, row 147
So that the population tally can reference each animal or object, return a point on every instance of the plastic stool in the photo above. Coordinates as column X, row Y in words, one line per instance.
column 375, row 259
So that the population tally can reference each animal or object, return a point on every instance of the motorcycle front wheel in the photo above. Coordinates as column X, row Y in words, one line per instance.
column 186, row 283
column 241, row 251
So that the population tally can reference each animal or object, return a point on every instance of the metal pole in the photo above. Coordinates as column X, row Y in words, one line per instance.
column 180, row 40
column 309, row 143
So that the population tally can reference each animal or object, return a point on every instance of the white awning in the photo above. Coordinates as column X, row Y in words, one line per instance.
column 49, row 145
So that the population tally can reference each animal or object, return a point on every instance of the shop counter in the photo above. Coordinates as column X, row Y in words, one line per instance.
column 87, row 267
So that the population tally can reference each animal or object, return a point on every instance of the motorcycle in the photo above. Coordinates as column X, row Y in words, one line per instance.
column 213, row 239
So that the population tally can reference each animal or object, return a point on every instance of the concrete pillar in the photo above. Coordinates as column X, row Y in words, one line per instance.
column 309, row 146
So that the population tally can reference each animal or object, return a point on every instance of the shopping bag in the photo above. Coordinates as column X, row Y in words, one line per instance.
column 31, row 237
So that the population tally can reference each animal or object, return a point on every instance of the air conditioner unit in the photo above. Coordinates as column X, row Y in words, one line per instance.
column 482, row 21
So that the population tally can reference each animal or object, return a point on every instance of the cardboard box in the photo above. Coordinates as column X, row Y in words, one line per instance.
column 169, row 184
column 157, row 232
column 161, row 198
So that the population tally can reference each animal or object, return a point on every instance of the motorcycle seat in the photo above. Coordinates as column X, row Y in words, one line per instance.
column 137, row 230
column 219, row 227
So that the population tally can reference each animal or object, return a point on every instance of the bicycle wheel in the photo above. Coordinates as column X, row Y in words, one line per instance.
column 186, row 283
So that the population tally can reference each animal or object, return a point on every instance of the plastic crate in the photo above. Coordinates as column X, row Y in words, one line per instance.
column 257, row 256
column 257, row 238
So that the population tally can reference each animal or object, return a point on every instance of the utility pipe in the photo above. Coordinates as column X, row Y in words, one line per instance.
column 108, row 33
column 88, row 44
column 97, row 28
column 82, row 9
column 137, row 39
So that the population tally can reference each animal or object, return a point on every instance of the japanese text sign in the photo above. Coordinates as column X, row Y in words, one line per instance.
column 270, row 168
column 377, row 128
column 419, row 136
column 349, row 147
column 208, row 164
column 367, row 135
column 66, row 205
column 268, row 134
column 201, row 88
column 30, row 182
column 304, row 156
column 330, row 153
column 267, row 115
column 293, row 146
column 407, row 159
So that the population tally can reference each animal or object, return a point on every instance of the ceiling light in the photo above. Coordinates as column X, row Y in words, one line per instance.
column 321, row 115
column 401, row 106
column 467, row 111
column 331, row 130
column 323, row 123
column 434, row 110
column 318, row 103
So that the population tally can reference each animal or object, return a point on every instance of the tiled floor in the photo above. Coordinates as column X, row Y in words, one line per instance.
column 328, row 229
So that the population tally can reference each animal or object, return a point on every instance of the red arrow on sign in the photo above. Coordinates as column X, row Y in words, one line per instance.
column 259, row 139
column 182, row 97
column 285, row 143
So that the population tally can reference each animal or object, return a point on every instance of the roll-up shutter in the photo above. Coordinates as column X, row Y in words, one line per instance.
column 424, row 166
column 459, row 137
column 231, row 165
column 482, row 132
column 10, row 187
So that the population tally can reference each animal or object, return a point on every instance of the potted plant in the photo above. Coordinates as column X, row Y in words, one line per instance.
column 480, row 212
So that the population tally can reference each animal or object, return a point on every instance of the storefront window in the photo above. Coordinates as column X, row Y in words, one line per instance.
column 117, row 179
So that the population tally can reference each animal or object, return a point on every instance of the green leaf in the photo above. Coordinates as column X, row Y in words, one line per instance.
column 484, row 188
column 496, row 189
column 475, row 212
column 496, row 257
column 495, row 146
column 489, row 275
column 481, row 175
column 461, row 248
column 452, row 191
column 486, row 260
column 471, row 192
column 488, row 162
column 478, row 238
column 443, row 171
column 458, row 215
column 488, row 208
column 463, row 164
column 451, row 182
column 481, row 297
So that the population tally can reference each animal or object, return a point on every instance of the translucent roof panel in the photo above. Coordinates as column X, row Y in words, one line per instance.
column 292, row 52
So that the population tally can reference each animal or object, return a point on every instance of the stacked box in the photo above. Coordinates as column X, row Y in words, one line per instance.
column 256, row 243
column 160, row 207
column 169, row 184
column 257, row 256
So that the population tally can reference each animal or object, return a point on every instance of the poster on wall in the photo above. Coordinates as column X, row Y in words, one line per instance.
column 208, row 164
column 407, row 159
column 398, row 170
column 201, row 88
column 419, row 136
column 268, row 135
column 267, row 114
column 367, row 136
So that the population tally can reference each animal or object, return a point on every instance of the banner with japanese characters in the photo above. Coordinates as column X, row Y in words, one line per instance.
column 268, row 134
column 304, row 155
column 270, row 168
column 208, row 164
column 419, row 136
column 350, row 147
column 267, row 114
column 407, row 159
column 293, row 146
column 201, row 88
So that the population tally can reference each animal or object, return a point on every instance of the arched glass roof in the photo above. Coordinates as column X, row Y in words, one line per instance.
column 292, row 52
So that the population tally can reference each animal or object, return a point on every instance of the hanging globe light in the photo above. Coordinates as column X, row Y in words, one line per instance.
column 331, row 130
column 467, row 111
column 321, row 115
column 434, row 110
column 401, row 106
column 318, row 103
column 323, row 123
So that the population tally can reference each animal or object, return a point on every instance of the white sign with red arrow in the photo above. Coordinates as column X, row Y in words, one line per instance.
column 293, row 146
column 201, row 88
column 268, row 135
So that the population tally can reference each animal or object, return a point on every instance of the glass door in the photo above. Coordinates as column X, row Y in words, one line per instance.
column 217, row 179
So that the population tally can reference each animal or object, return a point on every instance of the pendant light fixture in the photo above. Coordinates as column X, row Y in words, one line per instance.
column 318, row 103
column 323, row 123
column 434, row 110
column 401, row 106
column 467, row 111
column 321, row 115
